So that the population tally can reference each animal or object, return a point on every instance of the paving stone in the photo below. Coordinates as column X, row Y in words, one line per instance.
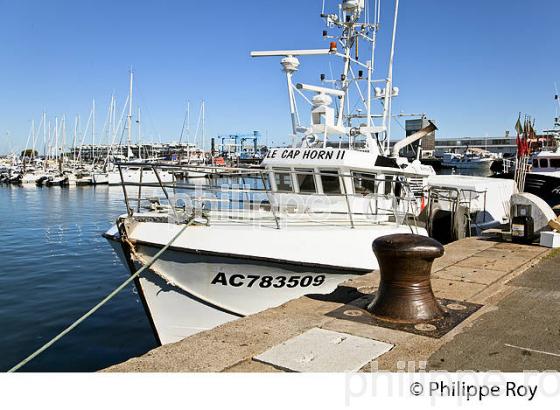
column 504, row 264
column 470, row 274
column 320, row 350
column 454, row 289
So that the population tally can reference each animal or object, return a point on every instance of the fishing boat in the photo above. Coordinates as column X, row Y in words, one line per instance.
column 252, row 246
column 543, row 179
column 302, row 223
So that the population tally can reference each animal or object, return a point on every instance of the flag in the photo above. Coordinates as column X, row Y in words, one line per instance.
column 518, row 126
column 519, row 129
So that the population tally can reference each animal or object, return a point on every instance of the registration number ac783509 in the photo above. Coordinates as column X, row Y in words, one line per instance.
column 267, row 281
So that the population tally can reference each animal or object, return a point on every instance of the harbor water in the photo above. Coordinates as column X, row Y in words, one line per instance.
column 55, row 267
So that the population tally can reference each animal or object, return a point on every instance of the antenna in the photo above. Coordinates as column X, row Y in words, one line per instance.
column 291, row 53
column 320, row 90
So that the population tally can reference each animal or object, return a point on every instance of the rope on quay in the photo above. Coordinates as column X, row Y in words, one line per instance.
column 100, row 304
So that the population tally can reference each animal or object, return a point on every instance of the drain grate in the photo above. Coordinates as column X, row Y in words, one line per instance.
column 455, row 313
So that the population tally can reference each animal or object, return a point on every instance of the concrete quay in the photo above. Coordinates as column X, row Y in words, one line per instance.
column 515, row 329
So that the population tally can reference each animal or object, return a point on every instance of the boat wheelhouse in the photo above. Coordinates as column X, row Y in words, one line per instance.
column 547, row 163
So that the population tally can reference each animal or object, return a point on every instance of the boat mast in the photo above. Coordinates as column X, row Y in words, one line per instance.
column 389, row 84
column 203, row 133
column 49, row 146
column 371, row 63
column 56, row 138
column 188, row 130
column 63, row 134
column 24, row 153
column 129, row 149
column 45, row 137
column 74, row 139
column 139, row 136
column 93, row 130
column 290, row 65
column 34, row 139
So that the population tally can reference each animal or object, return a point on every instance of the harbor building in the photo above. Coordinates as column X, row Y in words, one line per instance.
column 506, row 144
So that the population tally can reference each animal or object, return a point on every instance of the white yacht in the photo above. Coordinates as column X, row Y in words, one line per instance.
column 468, row 160
column 137, row 175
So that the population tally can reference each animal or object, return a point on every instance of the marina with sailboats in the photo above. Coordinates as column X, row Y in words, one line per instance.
column 214, row 231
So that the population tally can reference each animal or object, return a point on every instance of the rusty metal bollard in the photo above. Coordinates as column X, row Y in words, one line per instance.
column 405, row 294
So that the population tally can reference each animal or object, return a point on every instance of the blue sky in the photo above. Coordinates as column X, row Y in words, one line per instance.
column 472, row 66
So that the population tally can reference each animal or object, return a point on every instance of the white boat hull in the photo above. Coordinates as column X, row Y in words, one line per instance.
column 196, row 286
column 477, row 164
column 30, row 178
column 99, row 179
column 189, row 293
column 133, row 176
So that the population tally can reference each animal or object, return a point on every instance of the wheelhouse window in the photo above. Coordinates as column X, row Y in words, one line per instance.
column 330, row 182
column 555, row 162
column 364, row 183
column 536, row 163
column 544, row 162
column 306, row 180
column 388, row 184
column 283, row 180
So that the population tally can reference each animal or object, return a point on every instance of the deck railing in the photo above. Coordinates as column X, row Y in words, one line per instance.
column 251, row 189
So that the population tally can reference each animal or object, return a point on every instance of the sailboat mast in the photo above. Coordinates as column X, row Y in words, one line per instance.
column 34, row 139
column 63, row 133
column 49, row 145
column 56, row 138
column 129, row 150
column 203, row 133
column 139, row 135
column 75, row 139
column 25, row 152
column 93, row 130
column 45, row 136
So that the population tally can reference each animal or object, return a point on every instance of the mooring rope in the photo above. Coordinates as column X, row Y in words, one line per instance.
column 100, row 304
